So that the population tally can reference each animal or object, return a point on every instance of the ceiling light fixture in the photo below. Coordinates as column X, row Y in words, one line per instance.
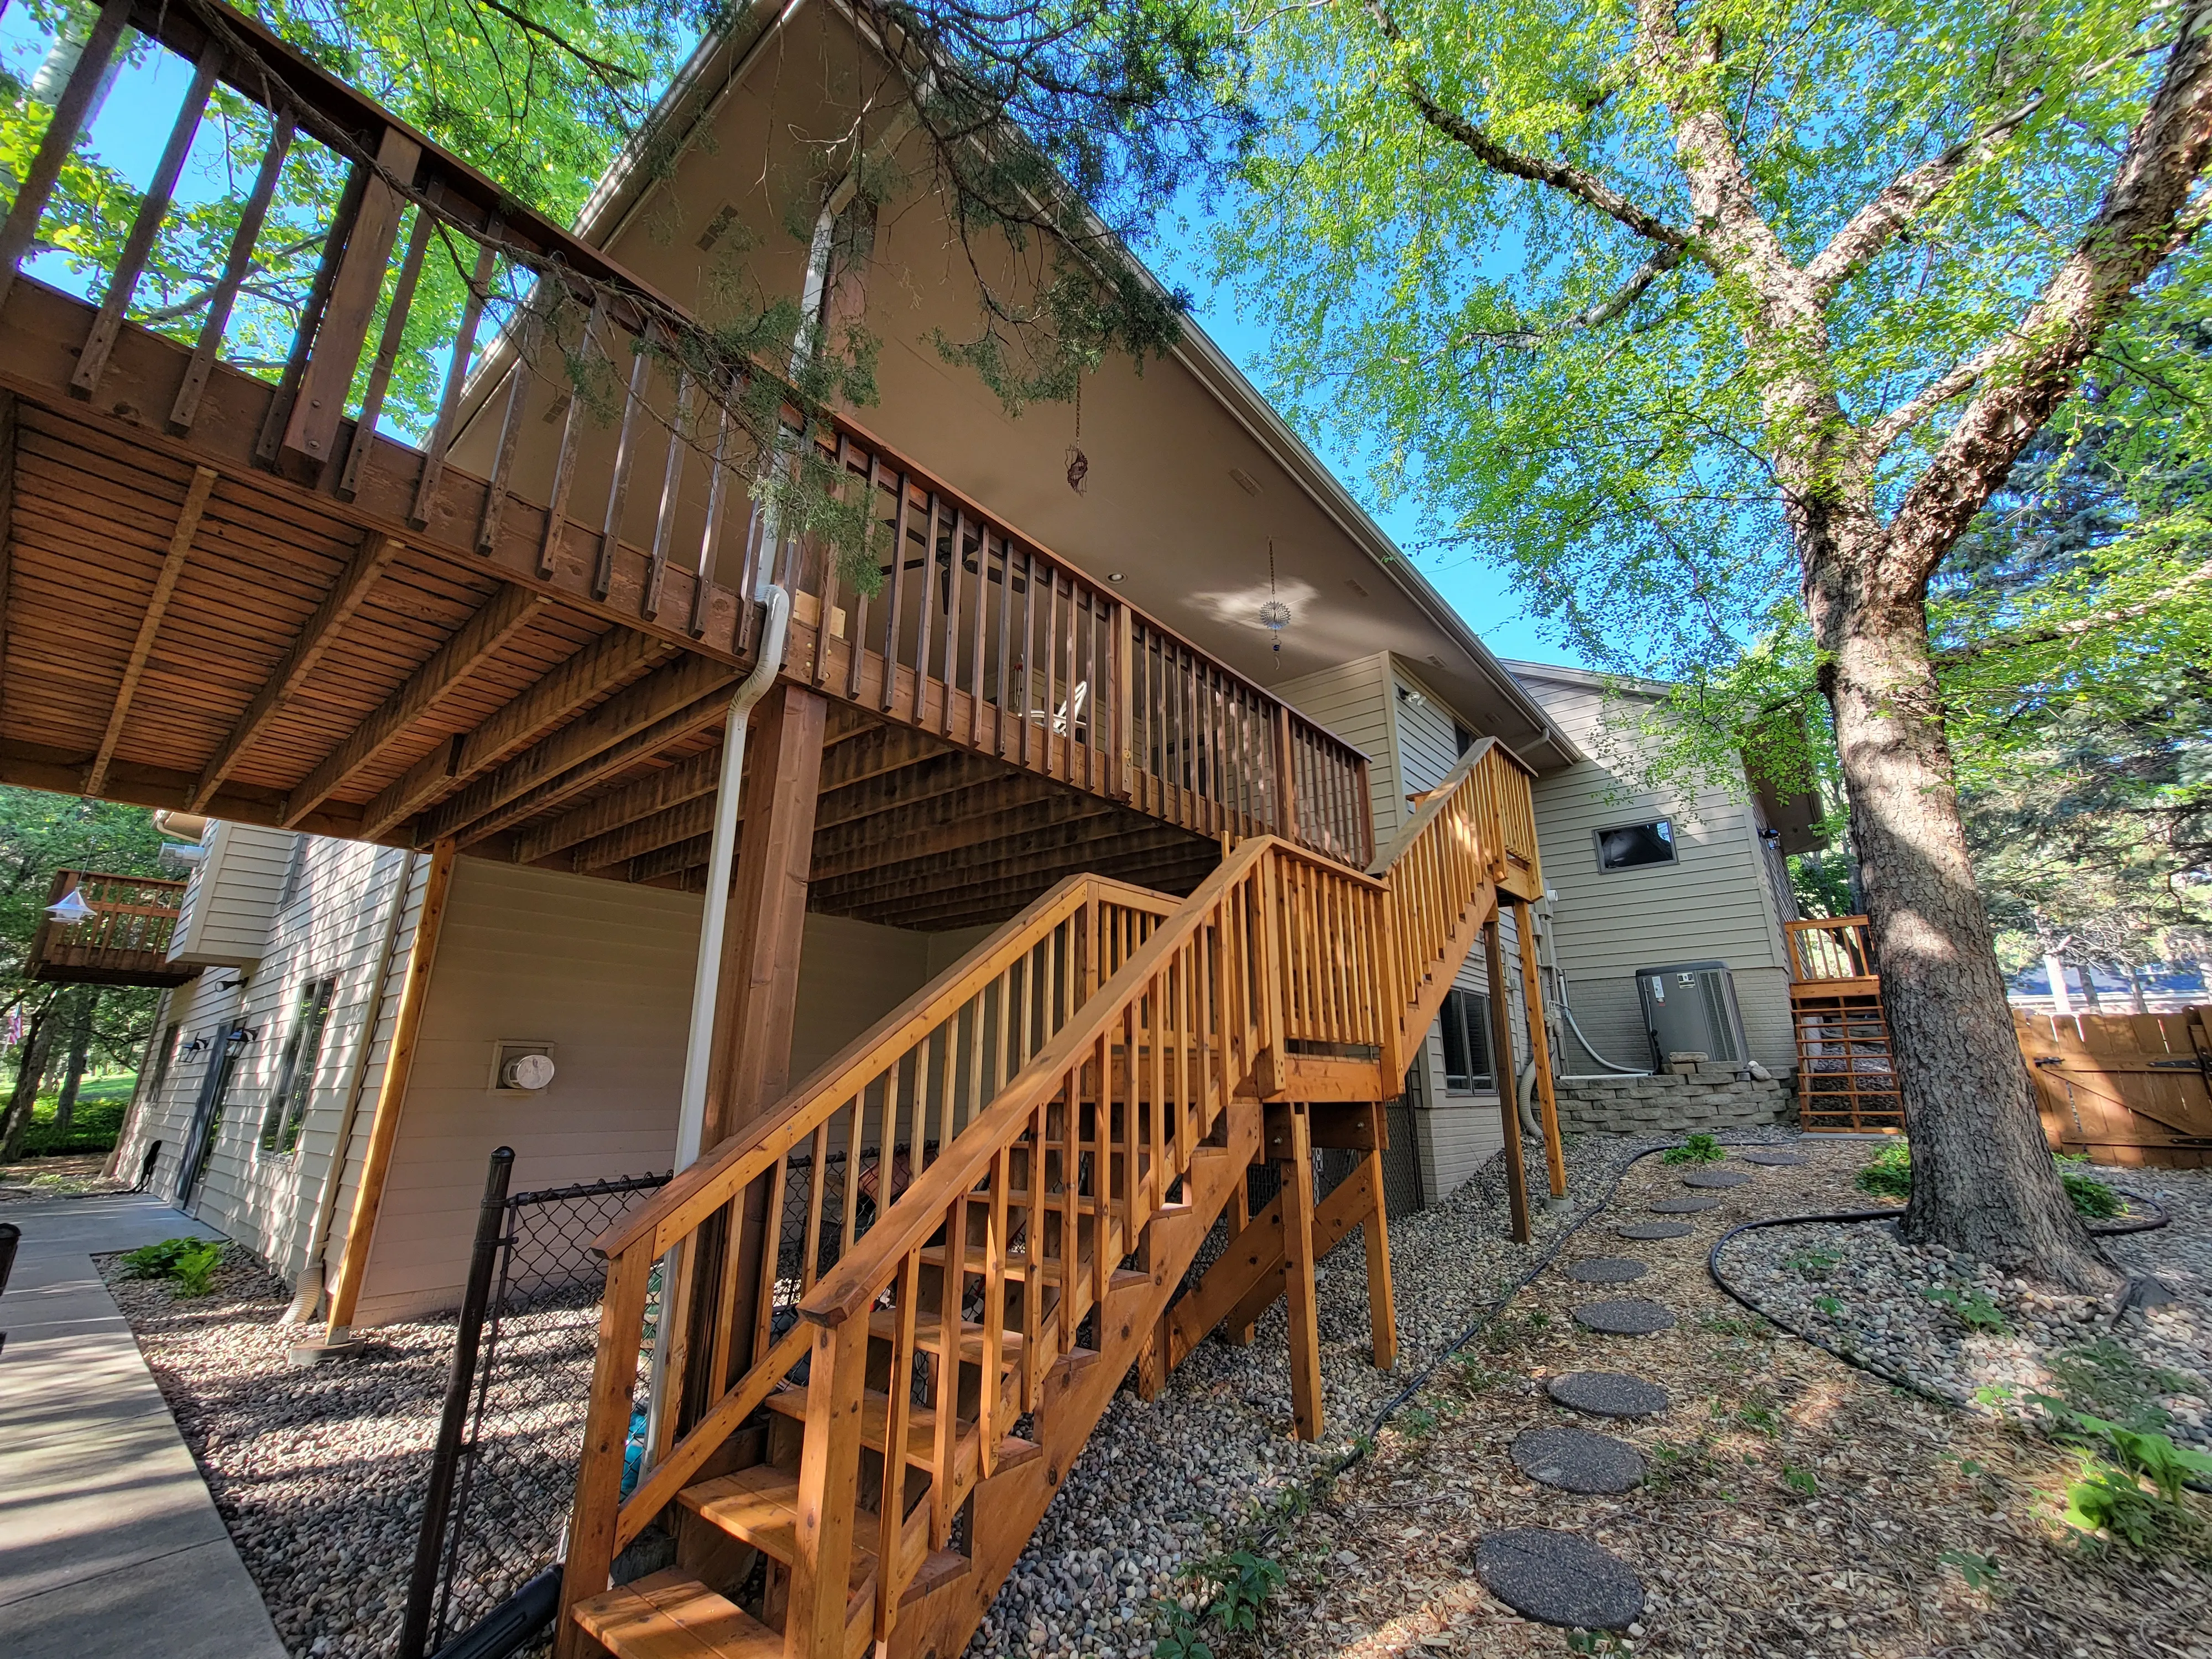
column 1274, row 616
column 1113, row 575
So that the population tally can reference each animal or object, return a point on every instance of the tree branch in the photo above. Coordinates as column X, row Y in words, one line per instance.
column 2145, row 216
column 1878, row 435
column 2075, row 627
column 1569, row 179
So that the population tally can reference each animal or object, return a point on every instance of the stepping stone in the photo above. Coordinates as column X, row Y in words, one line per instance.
column 1684, row 1206
column 1774, row 1160
column 1607, row 1393
column 1717, row 1177
column 1577, row 1459
column 1625, row 1316
column 1656, row 1229
column 1558, row 1578
column 1607, row 1270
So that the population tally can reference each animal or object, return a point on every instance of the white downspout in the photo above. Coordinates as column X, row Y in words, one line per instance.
column 714, row 920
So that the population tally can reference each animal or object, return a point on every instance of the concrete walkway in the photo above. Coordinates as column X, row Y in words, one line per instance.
column 110, row 1546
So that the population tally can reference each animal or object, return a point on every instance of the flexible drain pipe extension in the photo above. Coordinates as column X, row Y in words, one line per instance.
column 1568, row 1014
column 705, row 981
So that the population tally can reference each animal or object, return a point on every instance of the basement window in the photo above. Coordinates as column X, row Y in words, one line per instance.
column 1634, row 845
column 1466, row 1022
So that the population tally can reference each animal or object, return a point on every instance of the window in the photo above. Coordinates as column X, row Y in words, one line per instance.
column 1634, row 846
column 1466, row 1022
column 295, row 1077
column 163, row 1060
column 1462, row 740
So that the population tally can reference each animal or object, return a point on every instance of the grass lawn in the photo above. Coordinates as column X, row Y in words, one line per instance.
column 94, row 1127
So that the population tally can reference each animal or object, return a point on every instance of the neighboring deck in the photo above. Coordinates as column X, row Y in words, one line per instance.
column 124, row 940
column 1846, row 1078
column 226, row 592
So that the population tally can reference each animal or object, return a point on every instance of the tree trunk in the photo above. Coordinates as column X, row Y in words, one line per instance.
column 80, row 1050
column 30, row 1068
column 2135, row 1001
column 1983, row 1180
column 2090, row 1000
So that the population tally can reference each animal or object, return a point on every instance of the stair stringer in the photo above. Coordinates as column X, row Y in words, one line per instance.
column 1009, row 1506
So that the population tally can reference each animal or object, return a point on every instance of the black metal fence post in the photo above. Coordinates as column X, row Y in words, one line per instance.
column 445, row 1464
column 10, row 1235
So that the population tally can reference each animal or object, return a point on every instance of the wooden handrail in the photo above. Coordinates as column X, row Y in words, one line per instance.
column 116, row 924
column 1824, row 948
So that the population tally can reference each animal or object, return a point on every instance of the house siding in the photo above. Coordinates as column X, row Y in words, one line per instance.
column 1352, row 700
column 1715, row 902
column 231, row 902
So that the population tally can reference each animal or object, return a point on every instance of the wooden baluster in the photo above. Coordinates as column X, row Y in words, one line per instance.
column 856, row 1131
column 672, row 484
column 953, row 613
column 858, row 633
column 312, row 422
column 710, row 533
column 122, row 282
column 235, row 266
column 457, row 371
column 945, row 1454
column 20, row 229
column 1007, row 709
column 387, row 353
column 924, row 630
column 607, row 1437
column 892, row 611
column 1033, row 1259
column 1028, row 665
column 603, row 577
column 273, row 423
column 728, row 1271
column 1053, row 697
column 810, row 1246
column 526, row 341
column 572, row 425
column 975, row 651
column 899, row 1381
column 771, row 1249
column 995, row 1305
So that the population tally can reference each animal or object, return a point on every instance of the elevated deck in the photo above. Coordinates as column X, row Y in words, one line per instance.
column 1846, row 1079
column 227, row 591
column 124, row 940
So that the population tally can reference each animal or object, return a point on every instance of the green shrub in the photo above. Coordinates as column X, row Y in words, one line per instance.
column 1973, row 1309
column 1890, row 1175
column 1698, row 1149
column 188, row 1263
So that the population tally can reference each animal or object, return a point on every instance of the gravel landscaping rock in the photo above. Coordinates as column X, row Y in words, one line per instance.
column 1607, row 1393
column 1577, row 1459
column 1967, row 1332
column 1558, row 1579
column 1655, row 1229
column 1605, row 1270
column 1623, row 1316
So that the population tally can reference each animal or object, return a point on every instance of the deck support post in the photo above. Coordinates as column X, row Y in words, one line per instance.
column 1501, row 1062
column 1298, row 1275
column 1240, row 1217
column 1375, row 1234
column 1540, row 1048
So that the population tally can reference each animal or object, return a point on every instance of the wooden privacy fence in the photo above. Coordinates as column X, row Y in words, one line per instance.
column 2124, row 1088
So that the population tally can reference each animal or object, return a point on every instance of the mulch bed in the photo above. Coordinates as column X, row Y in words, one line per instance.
column 1794, row 1504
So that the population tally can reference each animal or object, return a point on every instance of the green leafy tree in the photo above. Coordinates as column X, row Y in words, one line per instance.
column 1732, row 316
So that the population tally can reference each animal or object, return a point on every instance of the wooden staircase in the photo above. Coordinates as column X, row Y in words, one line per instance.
column 1846, row 1078
column 859, row 1409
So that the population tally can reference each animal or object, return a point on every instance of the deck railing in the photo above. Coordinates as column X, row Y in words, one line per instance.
column 125, row 939
column 1823, row 948
column 977, row 634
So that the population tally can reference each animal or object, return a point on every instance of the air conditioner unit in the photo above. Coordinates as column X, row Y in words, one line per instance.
column 1691, row 1007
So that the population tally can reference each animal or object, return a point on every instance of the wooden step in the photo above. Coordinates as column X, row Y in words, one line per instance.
column 920, row 1432
column 668, row 1615
column 929, row 1335
column 1050, row 1272
column 760, row 1507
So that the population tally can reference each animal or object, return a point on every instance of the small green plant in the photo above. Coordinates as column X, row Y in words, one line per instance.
column 1828, row 1305
column 1247, row 1581
column 1890, row 1174
column 1972, row 1308
column 1417, row 1422
column 188, row 1263
column 1698, row 1149
column 1595, row 1641
column 1811, row 1264
column 1183, row 1640
column 1799, row 1480
column 2110, row 1496
column 2091, row 1196
column 1757, row 1417
column 2104, row 1379
column 1980, row 1571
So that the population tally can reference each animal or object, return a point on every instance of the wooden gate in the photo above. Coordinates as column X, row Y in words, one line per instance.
column 2126, row 1089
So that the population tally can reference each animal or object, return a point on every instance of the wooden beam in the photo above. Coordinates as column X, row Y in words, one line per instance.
column 680, row 824
column 8, row 462
column 758, row 995
column 492, row 779
column 1245, row 1278
column 391, row 1093
column 1540, row 1048
column 686, row 780
column 680, row 858
column 911, row 785
column 466, row 650
column 1077, row 846
column 666, row 713
column 1501, row 1063
column 150, row 624
column 1014, row 801
column 995, row 900
column 1375, row 1231
column 1031, row 830
column 369, row 562
column 1298, row 1264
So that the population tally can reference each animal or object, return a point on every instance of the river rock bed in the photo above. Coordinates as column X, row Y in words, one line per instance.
column 1966, row 1332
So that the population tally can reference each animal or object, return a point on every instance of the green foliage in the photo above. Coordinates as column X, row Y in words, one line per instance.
column 1970, row 1308
column 1801, row 1481
column 188, row 1263
column 2104, row 1379
column 1811, row 1264
column 1890, row 1173
column 1828, row 1305
column 2091, row 1196
column 1980, row 1571
column 95, row 1128
column 1698, row 1149
column 1232, row 1591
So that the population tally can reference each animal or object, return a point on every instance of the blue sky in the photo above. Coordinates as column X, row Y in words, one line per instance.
column 134, row 123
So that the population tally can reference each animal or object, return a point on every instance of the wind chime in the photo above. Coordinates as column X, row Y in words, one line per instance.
column 1274, row 616
column 1079, row 464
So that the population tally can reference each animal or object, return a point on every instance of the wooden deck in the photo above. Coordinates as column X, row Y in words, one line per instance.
column 227, row 592
column 126, row 939
column 1846, row 1078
